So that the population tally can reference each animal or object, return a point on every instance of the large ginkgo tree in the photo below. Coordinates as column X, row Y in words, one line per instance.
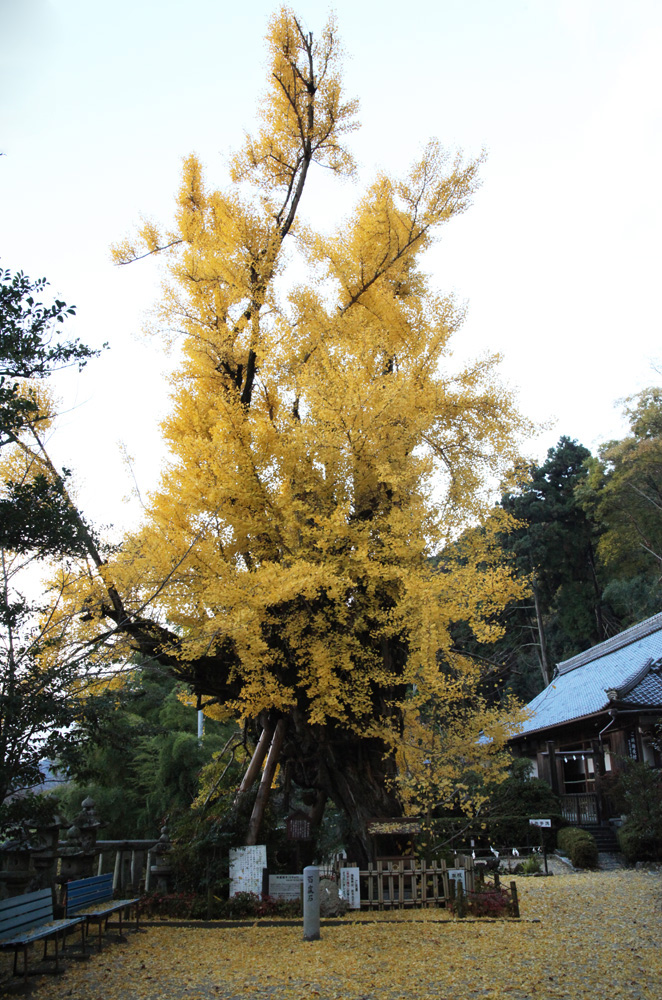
column 323, row 446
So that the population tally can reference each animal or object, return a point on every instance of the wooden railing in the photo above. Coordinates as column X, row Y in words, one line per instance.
column 581, row 808
column 413, row 883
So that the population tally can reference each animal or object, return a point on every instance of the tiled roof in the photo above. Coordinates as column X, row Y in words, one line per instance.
column 648, row 692
column 619, row 666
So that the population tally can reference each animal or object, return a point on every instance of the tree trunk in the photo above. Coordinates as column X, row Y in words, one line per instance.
column 356, row 773
column 544, row 663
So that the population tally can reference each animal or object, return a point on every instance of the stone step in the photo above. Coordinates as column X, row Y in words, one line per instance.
column 604, row 836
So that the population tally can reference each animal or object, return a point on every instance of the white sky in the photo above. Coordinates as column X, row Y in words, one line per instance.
column 559, row 259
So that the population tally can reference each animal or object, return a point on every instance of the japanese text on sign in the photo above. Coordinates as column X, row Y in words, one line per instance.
column 458, row 875
column 285, row 886
column 246, row 866
column 350, row 887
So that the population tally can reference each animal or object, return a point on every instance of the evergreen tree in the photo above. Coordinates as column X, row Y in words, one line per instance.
column 37, row 519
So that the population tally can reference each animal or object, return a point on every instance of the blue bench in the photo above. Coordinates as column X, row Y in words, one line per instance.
column 28, row 918
column 92, row 899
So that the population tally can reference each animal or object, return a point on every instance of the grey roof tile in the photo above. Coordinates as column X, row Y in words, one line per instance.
column 581, row 684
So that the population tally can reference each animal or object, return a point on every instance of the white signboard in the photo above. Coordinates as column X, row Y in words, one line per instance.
column 540, row 822
column 458, row 875
column 246, row 864
column 350, row 887
column 286, row 886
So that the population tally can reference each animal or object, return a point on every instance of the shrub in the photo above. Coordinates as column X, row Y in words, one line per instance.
column 638, row 792
column 486, row 901
column 579, row 845
column 171, row 904
column 514, row 801
column 531, row 865
column 242, row 906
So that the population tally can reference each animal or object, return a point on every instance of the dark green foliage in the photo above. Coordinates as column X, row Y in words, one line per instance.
column 30, row 346
column 35, row 703
column 137, row 754
column 637, row 792
column 554, row 549
column 579, row 845
column 635, row 598
column 518, row 799
column 37, row 517
column 20, row 815
column 623, row 492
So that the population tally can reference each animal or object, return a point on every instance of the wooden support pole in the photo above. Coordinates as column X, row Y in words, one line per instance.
column 265, row 784
column 253, row 768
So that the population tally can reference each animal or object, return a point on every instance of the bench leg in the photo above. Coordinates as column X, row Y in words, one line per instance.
column 25, row 963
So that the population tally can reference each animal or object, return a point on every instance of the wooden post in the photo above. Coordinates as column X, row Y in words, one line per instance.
column 148, row 871
column 553, row 772
column 117, row 874
column 265, row 784
column 513, row 893
column 253, row 768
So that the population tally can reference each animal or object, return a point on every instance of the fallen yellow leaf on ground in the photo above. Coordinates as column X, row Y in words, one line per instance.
column 599, row 934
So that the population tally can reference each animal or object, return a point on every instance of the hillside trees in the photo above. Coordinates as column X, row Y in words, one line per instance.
column 137, row 753
column 554, row 548
column 322, row 446
column 555, row 545
column 623, row 492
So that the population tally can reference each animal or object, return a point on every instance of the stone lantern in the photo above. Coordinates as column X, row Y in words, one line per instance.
column 45, row 852
column 15, row 861
column 88, row 823
column 162, row 870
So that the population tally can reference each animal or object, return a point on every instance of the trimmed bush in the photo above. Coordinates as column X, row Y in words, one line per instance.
column 579, row 846
column 639, row 843
column 638, row 793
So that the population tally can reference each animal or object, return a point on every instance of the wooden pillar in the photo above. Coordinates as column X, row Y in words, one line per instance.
column 553, row 770
column 598, row 774
column 253, row 768
column 265, row 784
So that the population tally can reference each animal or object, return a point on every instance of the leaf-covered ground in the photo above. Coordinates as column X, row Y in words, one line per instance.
column 599, row 935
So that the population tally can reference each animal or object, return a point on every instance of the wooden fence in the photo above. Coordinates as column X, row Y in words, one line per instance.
column 411, row 882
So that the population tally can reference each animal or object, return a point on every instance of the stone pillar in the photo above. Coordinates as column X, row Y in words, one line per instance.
column 311, row 903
